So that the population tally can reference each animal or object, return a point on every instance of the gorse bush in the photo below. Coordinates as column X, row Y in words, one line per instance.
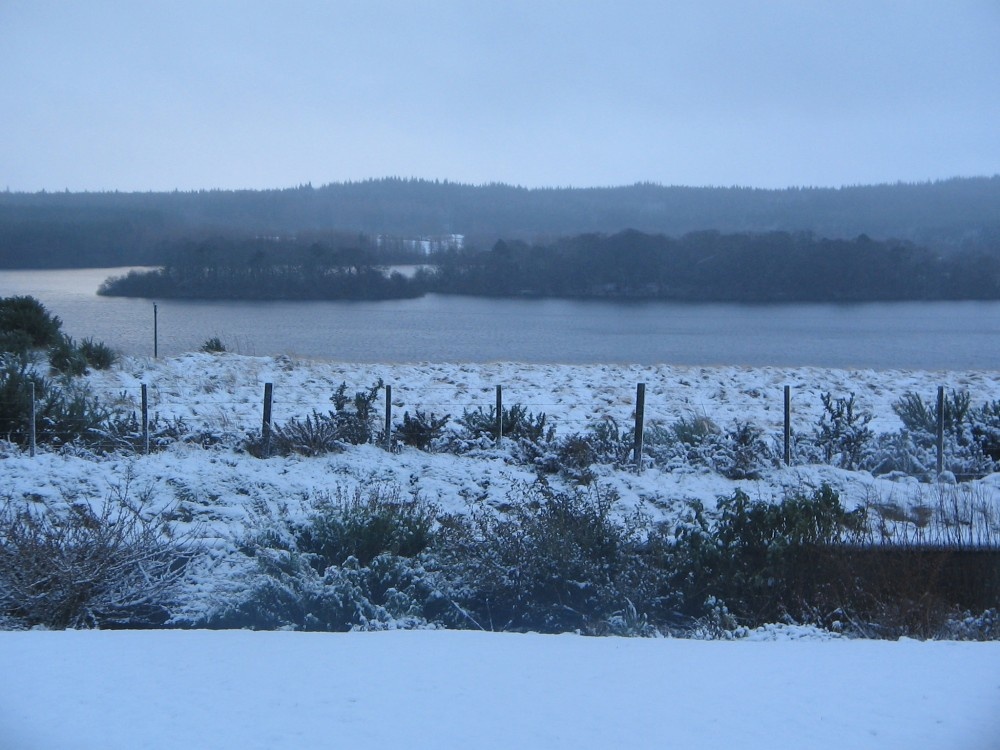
column 517, row 423
column 66, row 358
column 314, row 435
column 971, row 437
column 421, row 430
column 25, row 320
column 86, row 568
column 843, row 435
column 357, row 560
column 97, row 354
column 753, row 555
column 63, row 413
column 557, row 561
column 351, row 422
column 213, row 345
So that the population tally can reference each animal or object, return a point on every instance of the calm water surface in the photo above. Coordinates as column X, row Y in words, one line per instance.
column 935, row 336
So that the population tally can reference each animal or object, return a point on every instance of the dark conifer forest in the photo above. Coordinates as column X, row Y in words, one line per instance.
column 935, row 240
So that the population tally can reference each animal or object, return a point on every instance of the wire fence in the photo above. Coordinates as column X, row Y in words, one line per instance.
column 783, row 415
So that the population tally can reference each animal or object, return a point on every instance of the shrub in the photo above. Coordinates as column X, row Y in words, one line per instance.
column 62, row 414
column 66, row 358
column 919, row 417
column 82, row 568
column 313, row 436
column 969, row 437
column 557, row 562
column 751, row 554
column 352, row 422
column 421, row 430
column 609, row 443
column 740, row 452
column 28, row 317
column 213, row 345
column 17, row 343
column 843, row 434
column 516, row 422
column 356, row 417
column 355, row 561
column 97, row 354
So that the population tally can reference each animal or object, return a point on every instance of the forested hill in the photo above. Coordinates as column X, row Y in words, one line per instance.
column 699, row 266
column 79, row 229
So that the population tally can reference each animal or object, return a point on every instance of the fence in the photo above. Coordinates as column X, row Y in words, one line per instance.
column 443, row 400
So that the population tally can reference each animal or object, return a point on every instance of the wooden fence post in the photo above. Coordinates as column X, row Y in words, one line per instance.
column 145, row 420
column 940, row 429
column 31, row 426
column 156, row 336
column 499, row 414
column 388, row 417
column 788, row 425
column 640, row 412
column 265, row 429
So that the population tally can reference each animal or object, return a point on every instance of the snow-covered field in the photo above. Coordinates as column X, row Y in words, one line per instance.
column 223, row 394
column 181, row 690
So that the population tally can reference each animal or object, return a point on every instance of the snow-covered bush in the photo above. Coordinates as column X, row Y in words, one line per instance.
column 421, row 430
column 351, row 421
column 64, row 411
column 968, row 436
column 843, row 435
column 81, row 568
column 556, row 562
column 358, row 560
column 66, row 358
column 314, row 435
column 529, row 435
column 740, row 452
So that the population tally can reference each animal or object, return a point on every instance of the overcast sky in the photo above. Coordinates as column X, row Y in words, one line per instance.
column 141, row 95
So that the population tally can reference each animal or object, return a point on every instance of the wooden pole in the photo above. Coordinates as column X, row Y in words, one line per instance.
column 156, row 335
column 940, row 429
column 499, row 414
column 265, row 429
column 31, row 426
column 788, row 425
column 640, row 410
column 145, row 420
column 388, row 417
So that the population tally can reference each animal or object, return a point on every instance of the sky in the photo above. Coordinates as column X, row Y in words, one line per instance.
column 201, row 94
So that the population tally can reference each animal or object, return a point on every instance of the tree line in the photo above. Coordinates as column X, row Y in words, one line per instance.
column 112, row 228
column 700, row 266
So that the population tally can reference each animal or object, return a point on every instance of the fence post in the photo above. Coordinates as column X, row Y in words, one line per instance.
column 265, row 429
column 499, row 414
column 788, row 425
column 388, row 417
column 940, row 429
column 31, row 426
column 145, row 420
column 640, row 411
column 156, row 336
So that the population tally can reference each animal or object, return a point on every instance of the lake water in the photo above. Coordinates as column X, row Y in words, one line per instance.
column 933, row 336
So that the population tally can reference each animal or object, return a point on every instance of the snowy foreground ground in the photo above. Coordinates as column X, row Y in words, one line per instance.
column 435, row 689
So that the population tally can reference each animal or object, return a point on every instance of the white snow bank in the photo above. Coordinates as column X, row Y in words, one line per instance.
column 176, row 690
